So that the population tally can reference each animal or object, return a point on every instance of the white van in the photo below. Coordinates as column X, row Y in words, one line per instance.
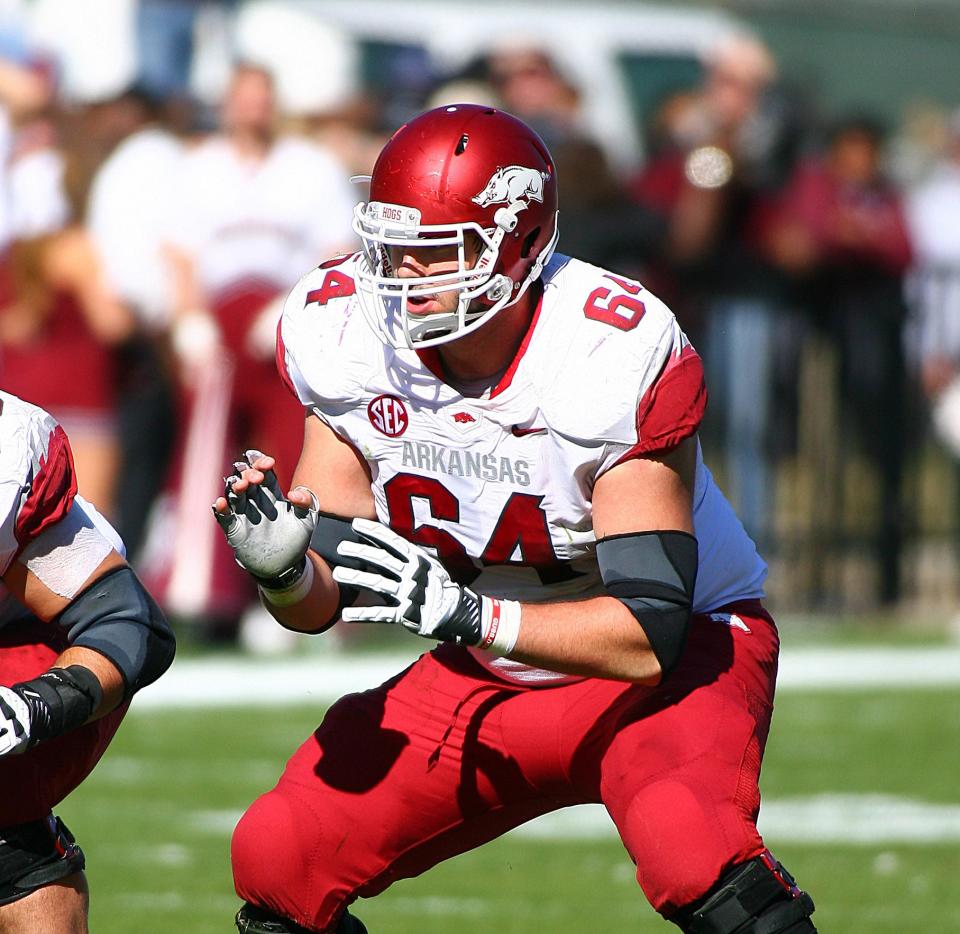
column 621, row 56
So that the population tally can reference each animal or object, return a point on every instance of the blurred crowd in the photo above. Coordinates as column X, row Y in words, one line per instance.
column 152, row 221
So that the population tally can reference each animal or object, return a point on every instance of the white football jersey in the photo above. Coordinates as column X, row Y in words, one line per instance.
column 500, row 486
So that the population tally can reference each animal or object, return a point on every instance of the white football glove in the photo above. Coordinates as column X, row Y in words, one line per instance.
column 269, row 535
column 14, row 723
column 420, row 594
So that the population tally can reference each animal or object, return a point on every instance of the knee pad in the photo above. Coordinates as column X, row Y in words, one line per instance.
column 253, row 920
column 36, row 854
column 350, row 925
column 756, row 897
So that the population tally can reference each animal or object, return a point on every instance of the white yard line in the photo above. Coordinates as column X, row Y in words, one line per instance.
column 323, row 678
column 856, row 819
column 855, row 668
column 852, row 819
column 859, row 818
column 317, row 679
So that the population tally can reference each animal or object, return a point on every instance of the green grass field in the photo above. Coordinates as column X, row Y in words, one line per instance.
column 155, row 820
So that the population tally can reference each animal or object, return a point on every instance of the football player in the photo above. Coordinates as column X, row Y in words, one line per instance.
column 500, row 455
column 78, row 637
column 252, row 207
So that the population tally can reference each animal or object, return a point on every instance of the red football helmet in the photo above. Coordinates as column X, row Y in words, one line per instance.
column 451, row 171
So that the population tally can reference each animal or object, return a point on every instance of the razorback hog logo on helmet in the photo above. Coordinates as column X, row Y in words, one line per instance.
column 512, row 183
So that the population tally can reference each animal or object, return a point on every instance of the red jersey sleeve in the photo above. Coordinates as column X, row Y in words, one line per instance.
column 672, row 407
column 51, row 484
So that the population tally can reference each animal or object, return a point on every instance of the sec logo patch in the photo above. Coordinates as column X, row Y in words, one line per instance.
column 388, row 415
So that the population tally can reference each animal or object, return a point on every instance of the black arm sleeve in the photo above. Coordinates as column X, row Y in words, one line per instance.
column 653, row 575
column 330, row 531
column 116, row 617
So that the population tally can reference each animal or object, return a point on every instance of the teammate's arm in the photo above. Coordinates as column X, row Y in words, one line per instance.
column 118, row 641
column 331, row 485
column 45, row 604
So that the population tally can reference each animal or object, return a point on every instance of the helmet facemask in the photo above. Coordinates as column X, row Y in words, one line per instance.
column 481, row 291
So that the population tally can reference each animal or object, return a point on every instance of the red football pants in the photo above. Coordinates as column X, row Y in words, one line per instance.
column 445, row 757
column 32, row 784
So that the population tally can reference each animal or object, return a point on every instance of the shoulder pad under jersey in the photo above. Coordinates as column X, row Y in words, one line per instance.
column 324, row 344
column 622, row 371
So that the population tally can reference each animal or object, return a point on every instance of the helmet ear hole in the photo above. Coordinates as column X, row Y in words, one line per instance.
column 528, row 241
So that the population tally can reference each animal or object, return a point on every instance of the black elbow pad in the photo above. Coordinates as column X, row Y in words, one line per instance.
column 118, row 618
column 653, row 574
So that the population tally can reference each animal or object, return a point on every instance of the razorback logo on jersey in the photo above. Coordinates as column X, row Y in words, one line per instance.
column 388, row 415
column 466, row 420
column 512, row 184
